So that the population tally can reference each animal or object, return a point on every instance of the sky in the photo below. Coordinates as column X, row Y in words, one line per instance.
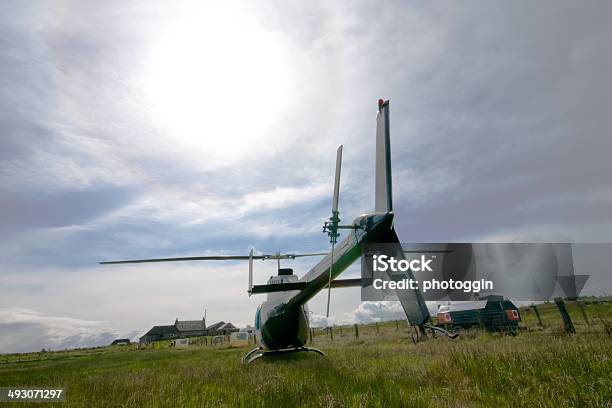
column 154, row 129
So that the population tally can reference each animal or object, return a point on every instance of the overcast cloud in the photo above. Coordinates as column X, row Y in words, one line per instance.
column 150, row 129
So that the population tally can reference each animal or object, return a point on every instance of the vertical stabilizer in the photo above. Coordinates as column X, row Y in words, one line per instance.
column 384, row 196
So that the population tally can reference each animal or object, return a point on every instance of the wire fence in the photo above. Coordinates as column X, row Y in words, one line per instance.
column 561, row 316
column 584, row 316
column 569, row 316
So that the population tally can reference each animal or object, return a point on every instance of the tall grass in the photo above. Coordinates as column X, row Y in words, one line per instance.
column 542, row 367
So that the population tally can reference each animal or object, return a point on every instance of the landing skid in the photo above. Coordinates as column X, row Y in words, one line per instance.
column 444, row 332
column 260, row 352
column 249, row 354
column 421, row 335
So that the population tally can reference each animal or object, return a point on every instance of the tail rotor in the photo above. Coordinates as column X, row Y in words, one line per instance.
column 331, row 226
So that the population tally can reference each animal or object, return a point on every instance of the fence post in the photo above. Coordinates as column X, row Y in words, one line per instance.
column 396, row 326
column 340, row 330
column 377, row 331
column 331, row 333
column 567, row 321
column 356, row 331
column 537, row 313
column 584, row 315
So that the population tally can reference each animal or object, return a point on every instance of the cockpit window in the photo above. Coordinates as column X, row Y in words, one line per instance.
column 257, row 314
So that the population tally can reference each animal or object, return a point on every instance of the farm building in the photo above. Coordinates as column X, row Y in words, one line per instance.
column 220, row 329
column 120, row 342
column 187, row 328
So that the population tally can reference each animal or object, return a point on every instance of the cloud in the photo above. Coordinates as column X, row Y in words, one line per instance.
column 317, row 320
column 499, row 123
column 24, row 330
column 370, row 312
column 364, row 313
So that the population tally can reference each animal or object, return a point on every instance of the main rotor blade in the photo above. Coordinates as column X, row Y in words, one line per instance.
column 187, row 258
column 213, row 258
column 302, row 255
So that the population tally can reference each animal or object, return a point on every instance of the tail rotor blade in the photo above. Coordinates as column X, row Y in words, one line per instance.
column 250, row 272
column 333, row 229
column 337, row 179
column 329, row 283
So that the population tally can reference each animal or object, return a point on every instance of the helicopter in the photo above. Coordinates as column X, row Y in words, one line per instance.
column 281, row 322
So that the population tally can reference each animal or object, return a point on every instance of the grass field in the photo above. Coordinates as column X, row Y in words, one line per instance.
column 538, row 367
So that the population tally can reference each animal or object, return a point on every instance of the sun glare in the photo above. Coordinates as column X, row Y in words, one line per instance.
column 215, row 80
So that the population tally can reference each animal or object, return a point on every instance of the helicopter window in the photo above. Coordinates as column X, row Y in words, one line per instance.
column 257, row 314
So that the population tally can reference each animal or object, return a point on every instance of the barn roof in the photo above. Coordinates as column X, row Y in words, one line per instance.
column 216, row 326
column 160, row 330
column 190, row 325
column 227, row 325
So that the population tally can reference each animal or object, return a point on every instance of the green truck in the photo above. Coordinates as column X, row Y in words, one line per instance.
column 493, row 313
